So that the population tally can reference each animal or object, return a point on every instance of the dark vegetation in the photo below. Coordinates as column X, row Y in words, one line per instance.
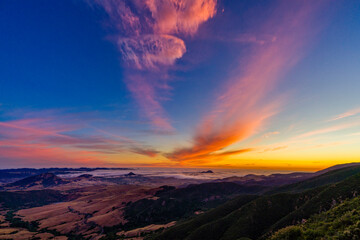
column 177, row 203
column 260, row 217
column 27, row 199
column 33, row 226
column 341, row 222
column 18, row 223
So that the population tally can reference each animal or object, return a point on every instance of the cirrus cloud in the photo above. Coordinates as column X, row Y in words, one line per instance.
column 244, row 104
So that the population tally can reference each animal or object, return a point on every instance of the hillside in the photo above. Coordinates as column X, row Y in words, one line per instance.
column 265, row 214
column 43, row 180
column 26, row 199
column 176, row 203
column 341, row 222
column 325, row 178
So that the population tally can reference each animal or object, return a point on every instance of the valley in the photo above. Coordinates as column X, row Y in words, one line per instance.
column 131, row 206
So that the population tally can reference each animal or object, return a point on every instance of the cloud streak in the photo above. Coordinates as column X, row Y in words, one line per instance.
column 149, row 39
column 244, row 105
column 347, row 114
column 328, row 130
column 53, row 140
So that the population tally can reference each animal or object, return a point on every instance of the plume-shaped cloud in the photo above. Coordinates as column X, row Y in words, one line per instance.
column 245, row 104
column 149, row 39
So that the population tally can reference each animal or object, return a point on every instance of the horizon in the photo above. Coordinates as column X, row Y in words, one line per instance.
column 207, row 84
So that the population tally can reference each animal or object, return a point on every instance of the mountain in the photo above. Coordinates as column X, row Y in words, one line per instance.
column 265, row 214
column 279, row 179
column 328, row 177
column 11, row 175
column 272, row 180
column 43, row 180
column 338, row 166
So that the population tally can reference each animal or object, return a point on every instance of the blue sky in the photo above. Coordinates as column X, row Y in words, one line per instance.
column 68, row 67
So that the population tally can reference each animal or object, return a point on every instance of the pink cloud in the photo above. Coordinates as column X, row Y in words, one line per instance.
column 245, row 104
column 328, row 130
column 149, row 39
column 349, row 113
column 53, row 140
column 184, row 16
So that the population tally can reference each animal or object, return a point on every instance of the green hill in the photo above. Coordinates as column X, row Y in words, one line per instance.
column 327, row 198
column 341, row 222
column 330, row 177
column 260, row 217
column 178, row 203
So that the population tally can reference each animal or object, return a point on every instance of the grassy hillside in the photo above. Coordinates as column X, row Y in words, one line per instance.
column 177, row 203
column 184, row 228
column 249, row 220
column 263, row 215
column 341, row 222
column 329, row 197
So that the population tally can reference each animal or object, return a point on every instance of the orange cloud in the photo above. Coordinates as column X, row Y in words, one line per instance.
column 212, row 157
column 244, row 105
column 184, row 16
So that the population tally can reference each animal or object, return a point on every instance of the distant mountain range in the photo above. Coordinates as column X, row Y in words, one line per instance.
column 8, row 174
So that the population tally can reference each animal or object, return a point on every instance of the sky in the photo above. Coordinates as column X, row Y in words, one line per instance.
column 179, row 83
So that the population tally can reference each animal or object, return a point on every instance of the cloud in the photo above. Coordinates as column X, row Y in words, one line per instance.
column 269, row 134
column 151, row 51
column 210, row 157
column 54, row 140
column 145, row 152
column 349, row 113
column 245, row 104
column 180, row 16
column 328, row 130
column 148, row 36
column 274, row 149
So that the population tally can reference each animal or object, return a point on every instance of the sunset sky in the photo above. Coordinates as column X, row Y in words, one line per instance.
column 179, row 83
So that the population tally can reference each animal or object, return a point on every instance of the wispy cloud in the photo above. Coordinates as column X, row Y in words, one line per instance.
column 244, row 105
column 211, row 157
column 349, row 113
column 328, row 130
column 272, row 149
column 149, row 39
column 54, row 139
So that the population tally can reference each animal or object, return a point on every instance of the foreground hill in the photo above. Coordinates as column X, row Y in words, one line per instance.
column 341, row 222
column 266, row 214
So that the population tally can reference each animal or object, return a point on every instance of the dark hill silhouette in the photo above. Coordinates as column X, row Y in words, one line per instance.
column 44, row 180
column 260, row 217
